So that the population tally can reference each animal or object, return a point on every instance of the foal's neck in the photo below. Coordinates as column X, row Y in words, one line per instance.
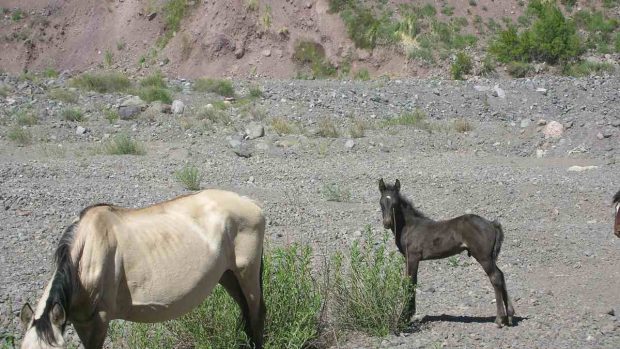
column 405, row 216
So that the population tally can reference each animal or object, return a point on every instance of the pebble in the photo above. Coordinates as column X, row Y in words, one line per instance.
column 177, row 107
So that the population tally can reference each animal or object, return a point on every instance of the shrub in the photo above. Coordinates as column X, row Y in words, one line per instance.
column 333, row 192
column 111, row 115
column 312, row 54
column 462, row 125
column 488, row 66
column 552, row 38
column 519, row 69
column 357, row 128
column 153, row 93
column 71, row 114
column 327, row 128
column 370, row 289
column 461, row 66
column 26, row 118
column 108, row 58
column 220, row 87
column 19, row 135
column 50, row 73
column 122, row 144
column 214, row 115
column 362, row 74
column 103, row 82
column 174, row 11
column 281, row 126
column 190, row 177
column 17, row 15
column 251, row 5
column 587, row 68
column 154, row 80
column 256, row 92
column 416, row 118
column 367, row 30
column 63, row 95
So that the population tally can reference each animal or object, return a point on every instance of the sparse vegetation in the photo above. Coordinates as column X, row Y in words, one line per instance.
column 462, row 125
column 120, row 45
column 174, row 11
column 154, row 80
column 221, row 87
column 190, row 177
column 362, row 74
column 102, row 82
column 26, row 118
column 357, row 128
column 111, row 115
column 50, row 73
column 587, row 68
column 4, row 91
column 72, row 114
column 256, row 91
column 488, row 66
column 108, row 58
column 334, row 192
column 519, row 69
column 251, row 5
column 416, row 118
column 311, row 54
column 19, row 135
column 282, row 126
column 266, row 18
column 369, row 288
column 122, row 144
column 153, row 93
column 63, row 95
column 327, row 128
column 214, row 115
column 17, row 15
column 461, row 66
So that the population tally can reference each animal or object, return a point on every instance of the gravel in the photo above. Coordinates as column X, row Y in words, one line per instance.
column 559, row 257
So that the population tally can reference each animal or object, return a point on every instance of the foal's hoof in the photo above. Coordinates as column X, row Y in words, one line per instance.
column 499, row 322
column 509, row 320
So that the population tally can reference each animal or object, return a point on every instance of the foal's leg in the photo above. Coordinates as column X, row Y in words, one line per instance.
column 412, row 271
column 92, row 333
column 509, row 309
column 497, row 280
column 250, row 282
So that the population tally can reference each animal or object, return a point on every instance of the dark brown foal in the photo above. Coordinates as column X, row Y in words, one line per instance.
column 420, row 238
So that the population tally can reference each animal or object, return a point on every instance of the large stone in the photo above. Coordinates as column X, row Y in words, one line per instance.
column 132, row 101
column 349, row 144
column 178, row 107
column 498, row 92
column 128, row 112
column 254, row 130
column 553, row 130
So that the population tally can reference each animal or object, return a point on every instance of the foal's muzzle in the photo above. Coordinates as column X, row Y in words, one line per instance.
column 387, row 223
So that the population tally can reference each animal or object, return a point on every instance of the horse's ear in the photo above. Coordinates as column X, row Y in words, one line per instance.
column 397, row 185
column 25, row 316
column 57, row 315
column 381, row 185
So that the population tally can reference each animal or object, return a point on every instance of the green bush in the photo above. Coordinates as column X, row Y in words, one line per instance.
column 20, row 135
column 71, row 114
column 519, row 69
column 103, row 82
column 462, row 65
column 312, row 54
column 587, row 68
column 362, row 74
column 552, row 38
column 154, row 80
column 416, row 118
column 153, row 93
column 122, row 144
column 366, row 29
column 220, row 87
column 370, row 289
column 334, row 192
column 190, row 177
column 26, row 118
column 63, row 95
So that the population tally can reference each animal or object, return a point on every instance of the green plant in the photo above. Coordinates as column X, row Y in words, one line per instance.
column 19, row 135
column 108, row 58
column 416, row 118
column 488, row 66
column 4, row 91
column 587, row 68
column 461, row 66
column 71, row 114
column 50, row 73
column 370, row 289
column 63, row 95
column 366, row 29
column 17, row 15
column 153, row 93
column 190, row 177
column 214, row 115
column 462, row 125
column 453, row 261
column 333, row 192
column 154, row 80
column 122, row 144
column 111, row 115
column 251, row 5
column 120, row 45
column 221, row 87
column 26, row 118
column 103, row 82
column 447, row 10
column 256, row 92
column 312, row 54
column 357, row 128
column 327, row 128
column 266, row 17
column 281, row 126
column 7, row 341
column 174, row 11
column 519, row 69
column 362, row 74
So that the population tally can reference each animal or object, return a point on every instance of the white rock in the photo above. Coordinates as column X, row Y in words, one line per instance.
column 178, row 107
column 349, row 144
column 581, row 168
column 553, row 129
column 80, row 130
column 542, row 90
column 498, row 92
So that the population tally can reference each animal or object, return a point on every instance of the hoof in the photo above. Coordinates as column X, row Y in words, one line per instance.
column 499, row 323
column 509, row 320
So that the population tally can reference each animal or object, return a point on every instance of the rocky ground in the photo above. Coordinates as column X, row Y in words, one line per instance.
column 542, row 156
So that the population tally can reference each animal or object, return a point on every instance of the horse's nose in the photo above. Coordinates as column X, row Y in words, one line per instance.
column 387, row 223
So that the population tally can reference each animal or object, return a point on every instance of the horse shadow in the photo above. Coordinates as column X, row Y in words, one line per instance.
column 467, row 319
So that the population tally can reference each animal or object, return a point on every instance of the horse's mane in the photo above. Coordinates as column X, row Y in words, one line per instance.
column 617, row 197
column 406, row 204
column 62, row 287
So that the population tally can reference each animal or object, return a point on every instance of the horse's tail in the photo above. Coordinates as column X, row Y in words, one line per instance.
column 499, row 238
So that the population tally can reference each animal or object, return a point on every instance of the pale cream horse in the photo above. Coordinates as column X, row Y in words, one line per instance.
column 149, row 265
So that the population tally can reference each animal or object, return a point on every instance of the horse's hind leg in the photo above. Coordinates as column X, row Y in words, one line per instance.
column 510, row 312
column 251, row 286
column 230, row 282
column 497, row 280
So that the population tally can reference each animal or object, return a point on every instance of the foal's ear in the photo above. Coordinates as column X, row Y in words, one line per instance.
column 25, row 316
column 397, row 185
column 57, row 315
column 381, row 185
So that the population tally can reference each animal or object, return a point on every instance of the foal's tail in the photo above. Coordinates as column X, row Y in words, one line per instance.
column 499, row 238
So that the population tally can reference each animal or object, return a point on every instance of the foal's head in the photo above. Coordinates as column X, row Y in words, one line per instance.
column 46, row 331
column 390, row 201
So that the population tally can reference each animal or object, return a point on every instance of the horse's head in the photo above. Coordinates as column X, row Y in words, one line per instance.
column 44, row 332
column 390, row 200
column 617, row 207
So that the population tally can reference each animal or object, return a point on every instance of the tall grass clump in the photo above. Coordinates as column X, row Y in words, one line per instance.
column 416, row 119
column 587, row 68
column 122, row 144
column 369, row 287
column 154, row 80
column 461, row 66
column 327, row 128
column 190, row 177
column 102, row 82
column 19, row 135
column 221, row 87
column 311, row 54
column 334, row 192
column 71, row 114
column 174, row 11
column 63, row 95
column 26, row 118
column 154, row 93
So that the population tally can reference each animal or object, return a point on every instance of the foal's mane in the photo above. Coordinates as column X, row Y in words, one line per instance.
column 617, row 197
column 63, row 284
column 406, row 205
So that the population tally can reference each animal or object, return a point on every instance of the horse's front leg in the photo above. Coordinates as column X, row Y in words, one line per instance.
column 412, row 271
column 92, row 333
